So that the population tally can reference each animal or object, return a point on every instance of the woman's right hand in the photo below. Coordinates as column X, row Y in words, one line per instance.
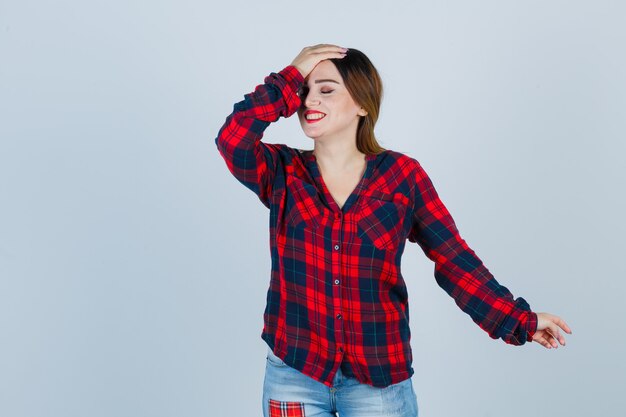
column 310, row 56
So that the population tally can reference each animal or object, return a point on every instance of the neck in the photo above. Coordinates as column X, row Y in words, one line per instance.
column 337, row 156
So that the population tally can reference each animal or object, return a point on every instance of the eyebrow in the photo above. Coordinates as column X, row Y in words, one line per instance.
column 326, row 81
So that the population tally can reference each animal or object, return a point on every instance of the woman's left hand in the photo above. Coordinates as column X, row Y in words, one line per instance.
column 548, row 334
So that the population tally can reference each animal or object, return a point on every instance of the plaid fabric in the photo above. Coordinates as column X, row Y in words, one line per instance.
column 286, row 409
column 336, row 292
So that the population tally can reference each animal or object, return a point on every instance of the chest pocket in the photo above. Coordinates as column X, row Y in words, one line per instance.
column 302, row 207
column 381, row 220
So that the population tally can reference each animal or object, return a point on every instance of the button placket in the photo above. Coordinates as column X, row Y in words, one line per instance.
column 337, row 262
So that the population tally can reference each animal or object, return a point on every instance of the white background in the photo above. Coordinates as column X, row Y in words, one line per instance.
column 133, row 266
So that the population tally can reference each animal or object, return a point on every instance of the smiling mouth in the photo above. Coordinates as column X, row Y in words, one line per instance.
column 313, row 117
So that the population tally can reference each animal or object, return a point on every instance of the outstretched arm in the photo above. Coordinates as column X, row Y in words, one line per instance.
column 465, row 278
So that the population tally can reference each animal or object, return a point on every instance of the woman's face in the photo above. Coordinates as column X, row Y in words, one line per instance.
column 328, row 111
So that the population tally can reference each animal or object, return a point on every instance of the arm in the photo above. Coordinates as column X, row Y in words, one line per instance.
column 462, row 274
column 252, row 162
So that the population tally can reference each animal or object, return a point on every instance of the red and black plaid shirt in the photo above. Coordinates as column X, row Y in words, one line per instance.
column 336, row 295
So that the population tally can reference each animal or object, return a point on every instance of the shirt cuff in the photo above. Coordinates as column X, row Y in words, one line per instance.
column 293, row 81
column 531, row 326
column 292, row 74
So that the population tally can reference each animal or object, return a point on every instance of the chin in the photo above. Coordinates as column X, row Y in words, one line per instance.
column 311, row 134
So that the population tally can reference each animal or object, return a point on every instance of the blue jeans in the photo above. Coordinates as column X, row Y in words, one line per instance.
column 290, row 389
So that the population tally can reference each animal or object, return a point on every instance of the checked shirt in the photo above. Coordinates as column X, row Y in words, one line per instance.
column 336, row 296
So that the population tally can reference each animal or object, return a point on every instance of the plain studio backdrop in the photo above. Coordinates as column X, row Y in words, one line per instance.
column 134, row 267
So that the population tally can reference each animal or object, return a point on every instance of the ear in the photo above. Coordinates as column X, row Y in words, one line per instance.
column 362, row 112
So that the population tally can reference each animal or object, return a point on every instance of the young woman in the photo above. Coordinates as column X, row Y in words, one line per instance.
column 337, row 318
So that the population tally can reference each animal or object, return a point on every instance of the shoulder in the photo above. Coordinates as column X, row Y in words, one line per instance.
column 403, row 169
column 398, row 161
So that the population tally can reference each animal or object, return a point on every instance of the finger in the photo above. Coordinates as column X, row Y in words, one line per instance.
column 555, row 336
column 561, row 323
column 550, row 339
column 313, row 60
column 539, row 338
column 327, row 46
column 329, row 55
column 310, row 51
column 558, row 335
column 316, row 56
column 323, row 55
column 328, row 49
column 544, row 342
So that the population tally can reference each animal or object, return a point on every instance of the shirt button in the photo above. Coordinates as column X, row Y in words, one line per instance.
column 336, row 282
column 336, row 247
column 338, row 316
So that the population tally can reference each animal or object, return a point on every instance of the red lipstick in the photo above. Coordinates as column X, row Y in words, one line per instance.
column 313, row 116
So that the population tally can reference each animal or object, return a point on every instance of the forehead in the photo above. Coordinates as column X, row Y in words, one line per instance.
column 325, row 70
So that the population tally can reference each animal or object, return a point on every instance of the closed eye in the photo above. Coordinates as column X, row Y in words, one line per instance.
column 327, row 91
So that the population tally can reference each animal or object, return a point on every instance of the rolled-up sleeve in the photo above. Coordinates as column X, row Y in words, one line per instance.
column 252, row 162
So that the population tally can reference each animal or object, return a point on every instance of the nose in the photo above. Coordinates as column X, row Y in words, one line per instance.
column 311, row 99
